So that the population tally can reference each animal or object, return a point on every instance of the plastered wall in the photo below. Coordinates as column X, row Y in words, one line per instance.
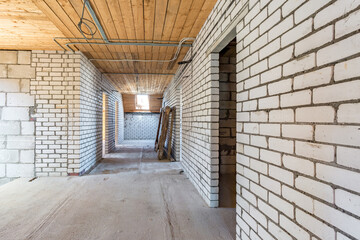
column 298, row 119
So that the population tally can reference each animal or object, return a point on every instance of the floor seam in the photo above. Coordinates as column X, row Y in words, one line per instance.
column 50, row 217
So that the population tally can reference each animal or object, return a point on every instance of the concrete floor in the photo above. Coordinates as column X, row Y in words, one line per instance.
column 227, row 190
column 129, row 195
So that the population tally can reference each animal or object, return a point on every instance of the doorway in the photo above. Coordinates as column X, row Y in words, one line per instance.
column 227, row 126
column 180, row 122
column 104, row 124
column 116, row 123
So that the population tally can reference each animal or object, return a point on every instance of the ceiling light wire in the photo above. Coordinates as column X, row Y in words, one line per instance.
column 85, row 22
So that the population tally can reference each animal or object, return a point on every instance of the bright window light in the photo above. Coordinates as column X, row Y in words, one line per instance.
column 142, row 102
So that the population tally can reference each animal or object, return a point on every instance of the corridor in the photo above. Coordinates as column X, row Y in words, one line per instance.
column 253, row 107
column 129, row 195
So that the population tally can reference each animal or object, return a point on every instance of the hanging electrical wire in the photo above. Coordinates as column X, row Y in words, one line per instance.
column 84, row 22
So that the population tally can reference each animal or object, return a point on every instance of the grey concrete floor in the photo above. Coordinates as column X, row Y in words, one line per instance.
column 129, row 195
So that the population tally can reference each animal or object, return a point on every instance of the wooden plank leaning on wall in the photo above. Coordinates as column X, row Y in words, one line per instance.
column 162, row 134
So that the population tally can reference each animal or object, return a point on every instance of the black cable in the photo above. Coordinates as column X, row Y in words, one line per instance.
column 86, row 22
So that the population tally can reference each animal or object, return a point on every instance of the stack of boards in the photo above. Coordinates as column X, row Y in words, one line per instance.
column 162, row 132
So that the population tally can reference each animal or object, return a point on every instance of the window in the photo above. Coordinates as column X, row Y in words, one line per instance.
column 142, row 102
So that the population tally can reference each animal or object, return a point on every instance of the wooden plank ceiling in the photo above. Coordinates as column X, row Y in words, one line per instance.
column 146, row 84
column 149, row 20
column 155, row 103
column 23, row 26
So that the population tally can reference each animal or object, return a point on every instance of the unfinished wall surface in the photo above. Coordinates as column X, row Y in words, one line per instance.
column 141, row 126
column 120, row 121
column 298, row 119
column 17, row 141
column 227, row 126
column 114, row 97
column 227, row 115
column 51, row 114
column 93, row 85
column 56, row 89
column 174, row 102
column 68, row 93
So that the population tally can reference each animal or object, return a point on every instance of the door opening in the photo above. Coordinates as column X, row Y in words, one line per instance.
column 116, row 123
column 227, row 126
column 180, row 122
column 104, row 124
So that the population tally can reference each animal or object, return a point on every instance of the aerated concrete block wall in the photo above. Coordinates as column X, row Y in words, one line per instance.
column 298, row 105
column 17, row 141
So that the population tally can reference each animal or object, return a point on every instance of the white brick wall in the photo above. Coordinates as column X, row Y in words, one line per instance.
column 43, row 95
column 93, row 85
column 298, row 96
column 56, row 88
column 175, row 102
column 16, row 127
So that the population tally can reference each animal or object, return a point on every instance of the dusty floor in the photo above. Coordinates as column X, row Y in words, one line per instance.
column 129, row 195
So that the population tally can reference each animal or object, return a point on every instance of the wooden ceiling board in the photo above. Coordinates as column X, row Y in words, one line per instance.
column 25, row 27
column 155, row 102
column 171, row 13
column 192, row 18
column 70, row 16
column 124, row 51
column 153, row 20
column 127, row 16
column 160, row 7
column 146, row 84
column 203, row 15
column 19, row 6
column 107, row 22
column 149, row 19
